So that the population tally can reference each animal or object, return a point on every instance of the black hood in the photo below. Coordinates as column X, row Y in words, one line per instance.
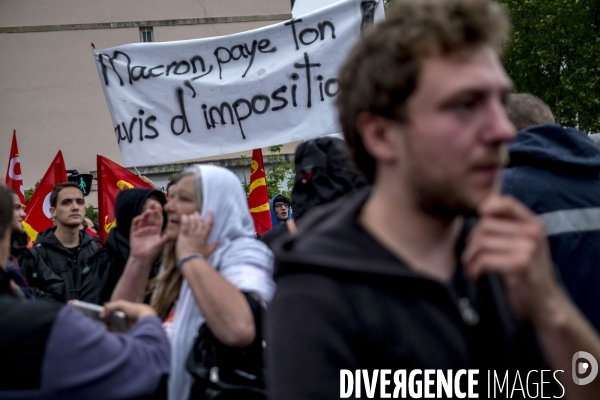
column 335, row 241
column 324, row 172
column 556, row 148
column 129, row 205
column 330, row 238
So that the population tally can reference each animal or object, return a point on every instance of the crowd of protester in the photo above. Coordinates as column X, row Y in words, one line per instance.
column 399, row 249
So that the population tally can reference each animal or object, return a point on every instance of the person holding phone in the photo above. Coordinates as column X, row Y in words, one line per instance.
column 211, row 260
column 51, row 351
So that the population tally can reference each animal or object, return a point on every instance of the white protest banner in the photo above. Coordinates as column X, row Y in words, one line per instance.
column 183, row 100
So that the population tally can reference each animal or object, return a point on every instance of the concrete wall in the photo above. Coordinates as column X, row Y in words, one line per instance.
column 49, row 87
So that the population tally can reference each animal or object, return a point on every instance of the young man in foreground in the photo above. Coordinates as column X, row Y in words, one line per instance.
column 393, row 278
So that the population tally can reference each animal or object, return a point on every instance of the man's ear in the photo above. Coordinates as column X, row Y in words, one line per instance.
column 378, row 136
column 53, row 212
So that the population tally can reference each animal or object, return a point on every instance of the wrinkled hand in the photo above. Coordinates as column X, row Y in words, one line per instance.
column 193, row 235
column 510, row 240
column 146, row 241
column 133, row 311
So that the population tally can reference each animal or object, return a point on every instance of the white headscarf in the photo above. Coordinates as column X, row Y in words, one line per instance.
column 241, row 259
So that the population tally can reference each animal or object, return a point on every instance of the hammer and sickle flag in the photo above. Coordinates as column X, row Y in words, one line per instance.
column 258, row 199
column 112, row 178
column 14, row 179
column 38, row 217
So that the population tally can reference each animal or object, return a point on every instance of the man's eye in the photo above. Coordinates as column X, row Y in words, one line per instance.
column 466, row 105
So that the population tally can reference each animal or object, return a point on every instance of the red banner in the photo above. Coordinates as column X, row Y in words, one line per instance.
column 38, row 217
column 258, row 199
column 112, row 178
column 14, row 179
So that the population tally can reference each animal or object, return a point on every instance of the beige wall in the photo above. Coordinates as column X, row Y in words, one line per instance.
column 49, row 87
column 52, row 12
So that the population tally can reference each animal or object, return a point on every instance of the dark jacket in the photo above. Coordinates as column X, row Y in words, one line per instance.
column 51, row 351
column 18, row 245
column 555, row 172
column 53, row 270
column 344, row 302
column 106, row 266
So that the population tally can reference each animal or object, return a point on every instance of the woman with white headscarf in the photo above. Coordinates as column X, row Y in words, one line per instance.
column 210, row 258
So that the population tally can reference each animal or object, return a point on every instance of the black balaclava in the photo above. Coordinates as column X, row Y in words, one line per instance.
column 324, row 172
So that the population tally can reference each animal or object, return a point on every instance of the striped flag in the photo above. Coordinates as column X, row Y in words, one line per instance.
column 258, row 199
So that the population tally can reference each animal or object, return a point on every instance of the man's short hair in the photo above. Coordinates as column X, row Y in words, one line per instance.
column 58, row 188
column 6, row 212
column 382, row 70
column 525, row 110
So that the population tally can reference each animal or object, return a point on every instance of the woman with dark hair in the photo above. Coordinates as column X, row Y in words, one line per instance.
column 213, row 267
column 106, row 266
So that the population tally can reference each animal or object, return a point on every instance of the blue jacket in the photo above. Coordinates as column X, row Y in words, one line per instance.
column 274, row 218
column 555, row 172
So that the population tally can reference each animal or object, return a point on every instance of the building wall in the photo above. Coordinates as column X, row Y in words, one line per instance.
column 49, row 86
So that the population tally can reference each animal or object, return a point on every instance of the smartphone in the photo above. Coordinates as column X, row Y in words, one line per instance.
column 116, row 321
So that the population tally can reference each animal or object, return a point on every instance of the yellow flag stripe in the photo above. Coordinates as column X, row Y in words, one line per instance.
column 264, row 207
column 257, row 183
column 30, row 231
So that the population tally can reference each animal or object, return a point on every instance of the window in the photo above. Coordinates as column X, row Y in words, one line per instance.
column 146, row 35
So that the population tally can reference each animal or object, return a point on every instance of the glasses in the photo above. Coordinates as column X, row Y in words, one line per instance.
column 280, row 205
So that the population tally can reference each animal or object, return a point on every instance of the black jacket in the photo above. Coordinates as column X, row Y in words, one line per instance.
column 18, row 245
column 53, row 271
column 555, row 171
column 344, row 302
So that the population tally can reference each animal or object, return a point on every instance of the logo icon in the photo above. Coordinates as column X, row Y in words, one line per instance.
column 579, row 367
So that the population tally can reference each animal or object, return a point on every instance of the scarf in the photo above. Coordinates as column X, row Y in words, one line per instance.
column 240, row 258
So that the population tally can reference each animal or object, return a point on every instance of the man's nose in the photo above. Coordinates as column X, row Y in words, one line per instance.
column 499, row 128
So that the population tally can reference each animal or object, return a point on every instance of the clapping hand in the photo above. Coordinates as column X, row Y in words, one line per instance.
column 146, row 241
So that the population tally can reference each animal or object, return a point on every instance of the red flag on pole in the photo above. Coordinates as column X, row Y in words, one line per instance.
column 14, row 179
column 38, row 217
column 258, row 200
column 112, row 178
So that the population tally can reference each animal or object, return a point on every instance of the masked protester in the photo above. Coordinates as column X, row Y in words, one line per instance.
column 105, row 267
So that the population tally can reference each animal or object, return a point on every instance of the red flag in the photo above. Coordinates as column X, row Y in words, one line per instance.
column 38, row 217
column 258, row 200
column 112, row 178
column 14, row 179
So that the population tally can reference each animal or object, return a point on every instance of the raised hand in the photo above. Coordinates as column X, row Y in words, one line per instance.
column 193, row 235
column 510, row 240
column 146, row 241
